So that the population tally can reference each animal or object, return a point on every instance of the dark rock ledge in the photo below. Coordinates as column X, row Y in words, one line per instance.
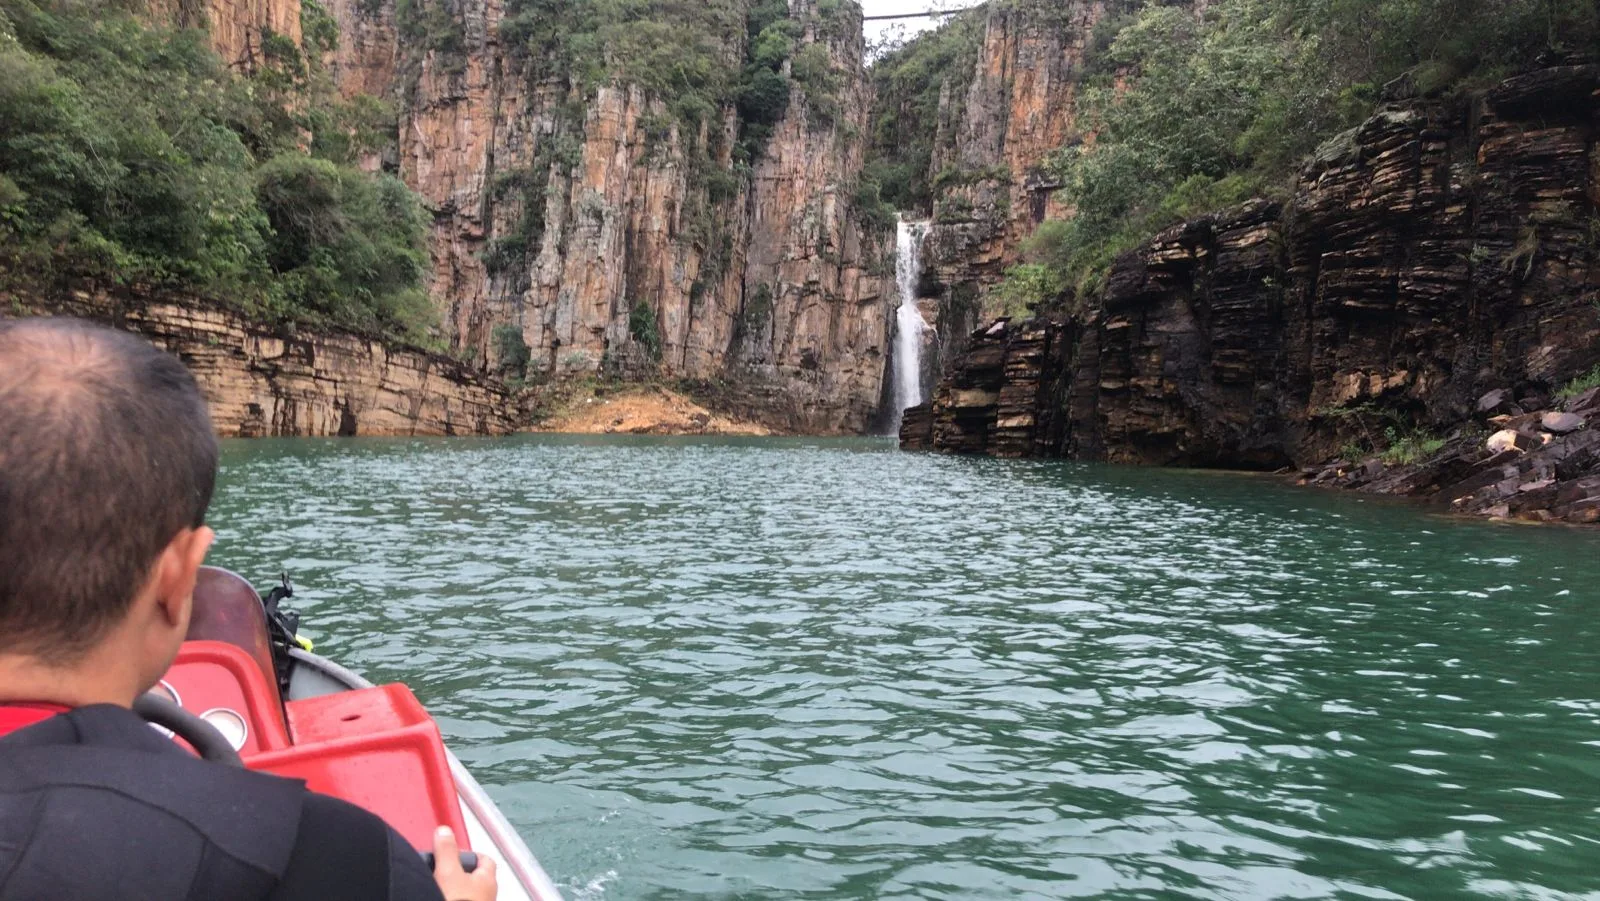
column 1541, row 466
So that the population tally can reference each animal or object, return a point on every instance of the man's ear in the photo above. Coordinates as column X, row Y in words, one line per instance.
column 176, row 572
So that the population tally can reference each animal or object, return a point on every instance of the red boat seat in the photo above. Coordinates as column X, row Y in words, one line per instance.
column 376, row 748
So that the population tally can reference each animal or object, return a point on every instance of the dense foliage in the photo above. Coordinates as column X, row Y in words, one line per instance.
column 1225, row 105
column 130, row 152
column 671, row 48
column 511, row 350
column 345, row 246
column 677, row 51
column 1183, row 112
column 643, row 329
column 909, row 82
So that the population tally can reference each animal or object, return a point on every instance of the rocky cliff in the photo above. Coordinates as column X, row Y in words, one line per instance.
column 1441, row 251
column 236, row 27
column 1019, row 108
column 606, row 230
column 997, row 127
column 261, row 381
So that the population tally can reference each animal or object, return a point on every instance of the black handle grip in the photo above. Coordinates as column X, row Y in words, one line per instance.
column 469, row 860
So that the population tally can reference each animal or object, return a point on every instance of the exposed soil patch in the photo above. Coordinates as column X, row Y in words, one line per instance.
column 640, row 411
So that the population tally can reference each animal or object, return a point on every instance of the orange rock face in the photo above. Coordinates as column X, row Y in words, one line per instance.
column 770, row 283
column 236, row 26
column 261, row 383
column 367, row 59
column 627, row 221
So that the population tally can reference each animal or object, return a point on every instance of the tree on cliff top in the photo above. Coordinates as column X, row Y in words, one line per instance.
column 129, row 152
column 1190, row 113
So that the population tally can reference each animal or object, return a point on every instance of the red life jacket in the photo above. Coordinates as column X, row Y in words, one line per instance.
column 17, row 715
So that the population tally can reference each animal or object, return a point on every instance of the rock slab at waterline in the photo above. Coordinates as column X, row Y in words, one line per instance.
column 1540, row 467
column 261, row 381
column 1441, row 251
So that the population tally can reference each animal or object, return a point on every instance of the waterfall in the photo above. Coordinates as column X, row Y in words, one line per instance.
column 909, row 325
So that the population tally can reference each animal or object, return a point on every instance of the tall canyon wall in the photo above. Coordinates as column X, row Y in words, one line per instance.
column 1434, row 268
column 1018, row 106
column 578, row 216
column 566, row 215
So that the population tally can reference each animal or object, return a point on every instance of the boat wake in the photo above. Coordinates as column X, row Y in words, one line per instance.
column 593, row 890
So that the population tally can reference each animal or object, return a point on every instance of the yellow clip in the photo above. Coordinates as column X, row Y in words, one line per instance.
column 304, row 643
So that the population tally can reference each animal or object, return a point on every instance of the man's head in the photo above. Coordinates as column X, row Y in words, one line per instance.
column 107, row 463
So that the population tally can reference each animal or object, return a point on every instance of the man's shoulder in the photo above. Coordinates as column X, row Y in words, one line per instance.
column 109, row 767
column 106, row 765
column 343, row 845
column 112, row 748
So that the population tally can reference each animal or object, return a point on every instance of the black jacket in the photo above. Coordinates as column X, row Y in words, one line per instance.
column 95, row 806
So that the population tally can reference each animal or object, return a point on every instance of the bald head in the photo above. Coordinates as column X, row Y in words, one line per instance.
column 106, row 454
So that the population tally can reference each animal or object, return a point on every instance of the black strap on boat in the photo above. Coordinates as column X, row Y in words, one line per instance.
column 283, row 625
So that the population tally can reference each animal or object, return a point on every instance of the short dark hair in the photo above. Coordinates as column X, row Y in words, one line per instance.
column 106, row 454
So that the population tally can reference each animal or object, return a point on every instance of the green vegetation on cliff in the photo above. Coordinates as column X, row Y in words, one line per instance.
column 1193, row 113
column 129, row 152
column 1180, row 112
column 911, row 83
column 682, row 52
column 1579, row 385
column 671, row 48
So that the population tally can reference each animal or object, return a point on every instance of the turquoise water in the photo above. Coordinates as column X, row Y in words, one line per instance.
column 790, row 668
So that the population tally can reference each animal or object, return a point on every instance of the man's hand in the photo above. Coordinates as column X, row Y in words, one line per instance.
column 457, row 885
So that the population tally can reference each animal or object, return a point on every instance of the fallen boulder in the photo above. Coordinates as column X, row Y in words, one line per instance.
column 1511, row 439
column 1498, row 402
column 1561, row 423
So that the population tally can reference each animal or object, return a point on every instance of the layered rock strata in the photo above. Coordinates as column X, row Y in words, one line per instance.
column 262, row 382
column 559, row 213
column 1543, row 467
column 1437, row 252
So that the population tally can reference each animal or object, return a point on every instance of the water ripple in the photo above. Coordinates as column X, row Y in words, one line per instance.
column 826, row 669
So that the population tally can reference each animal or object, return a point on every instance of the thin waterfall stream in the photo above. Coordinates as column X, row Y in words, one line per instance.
column 910, row 328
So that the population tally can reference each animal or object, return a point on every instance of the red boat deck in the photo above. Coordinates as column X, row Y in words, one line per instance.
column 376, row 747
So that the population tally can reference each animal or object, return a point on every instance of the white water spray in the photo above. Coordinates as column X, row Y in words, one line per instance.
column 909, row 325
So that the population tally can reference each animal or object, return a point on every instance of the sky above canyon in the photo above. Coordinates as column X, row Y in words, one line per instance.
column 879, row 32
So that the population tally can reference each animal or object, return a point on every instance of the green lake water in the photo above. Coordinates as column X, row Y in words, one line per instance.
column 793, row 668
